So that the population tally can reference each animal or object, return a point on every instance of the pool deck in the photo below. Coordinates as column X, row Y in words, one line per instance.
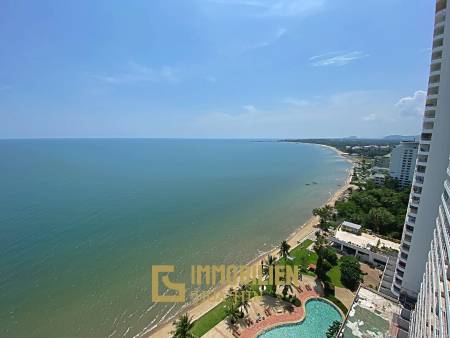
column 281, row 313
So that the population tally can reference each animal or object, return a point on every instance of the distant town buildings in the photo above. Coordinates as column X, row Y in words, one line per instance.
column 402, row 161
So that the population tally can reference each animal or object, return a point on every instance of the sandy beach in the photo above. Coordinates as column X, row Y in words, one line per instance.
column 303, row 231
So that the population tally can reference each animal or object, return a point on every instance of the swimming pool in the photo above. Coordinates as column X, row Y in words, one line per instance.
column 319, row 316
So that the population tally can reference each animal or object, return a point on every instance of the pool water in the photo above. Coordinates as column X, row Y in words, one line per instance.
column 319, row 316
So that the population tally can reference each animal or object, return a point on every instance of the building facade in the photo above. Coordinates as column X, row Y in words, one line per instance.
column 431, row 317
column 430, row 169
column 383, row 161
column 402, row 162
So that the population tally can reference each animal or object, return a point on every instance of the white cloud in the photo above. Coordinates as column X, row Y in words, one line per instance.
column 335, row 115
column 412, row 106
column 137, row 73
column 296, row 102
column 269, row 41
column 370, row 117
column 274, row 7
column 336, row 58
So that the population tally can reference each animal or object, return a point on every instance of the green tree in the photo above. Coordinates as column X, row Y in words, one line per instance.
column 232, row 312
column 325, row 213
column 183, row 327
column 284, row 250
column 380, row 219
column 333, row 329
column 351, row 273
column 269, row 265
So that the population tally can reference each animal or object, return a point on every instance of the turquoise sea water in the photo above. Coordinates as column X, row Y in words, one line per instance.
column 82, row 221
column 319, row 316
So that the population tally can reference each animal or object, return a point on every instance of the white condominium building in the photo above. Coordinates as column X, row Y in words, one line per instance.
column 431, row 317
column 402, row 162
column 430, row 169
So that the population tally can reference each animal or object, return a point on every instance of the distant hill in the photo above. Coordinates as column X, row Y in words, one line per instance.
column 400, row 138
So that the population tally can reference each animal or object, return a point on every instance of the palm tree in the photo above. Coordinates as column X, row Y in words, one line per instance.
column 270, row 264
column 284, row 250
column 183, row 327
column 231, row 311
column 244, row 304
column 287, row 288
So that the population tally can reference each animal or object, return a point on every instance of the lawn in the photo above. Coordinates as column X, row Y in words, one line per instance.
column 335, row 275
column 209, row 320
column 303, row 257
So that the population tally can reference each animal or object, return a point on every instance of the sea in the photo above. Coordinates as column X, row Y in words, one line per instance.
column 82, row 222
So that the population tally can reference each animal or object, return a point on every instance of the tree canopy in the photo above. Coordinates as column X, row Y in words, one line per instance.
column 380, row 209
column 350, row 272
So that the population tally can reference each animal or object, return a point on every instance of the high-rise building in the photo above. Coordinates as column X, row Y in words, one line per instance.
column 431, row 317
column 402, row 162
column 430, row 170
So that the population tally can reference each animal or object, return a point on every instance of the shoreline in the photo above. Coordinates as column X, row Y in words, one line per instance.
column 201, row 307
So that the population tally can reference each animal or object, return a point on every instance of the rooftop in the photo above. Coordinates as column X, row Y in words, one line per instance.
column 365, row 240
column 351, row 225
column 371, row 315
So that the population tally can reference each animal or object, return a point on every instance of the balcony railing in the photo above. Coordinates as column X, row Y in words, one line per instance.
column 417, row 190
column 426, row 137
column 439, row 19
column 438, row 31
column 422, row 158
column 430, row 114
column 415, row 200
column 440, row 5
column 421, row 169
column 420, row 179
column 428, row 125
column 424, row 148
column 436, row 55
column 438, row 43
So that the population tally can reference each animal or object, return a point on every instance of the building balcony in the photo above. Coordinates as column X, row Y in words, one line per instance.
column 424, row 149
column 408, row 229
column 433, row 92
column 422, row 159
column 441, row 5
column 438, row 49
column 415, row 201
column 435, row 78
column 438, row 32
column 426, row 138
column 439, row 20
column 413, row 210
column 427, row 126
column 436, row 55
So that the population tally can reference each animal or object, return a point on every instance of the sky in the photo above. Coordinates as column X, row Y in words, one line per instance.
column 213, row 68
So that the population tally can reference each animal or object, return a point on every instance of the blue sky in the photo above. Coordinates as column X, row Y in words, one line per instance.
column 213, row 68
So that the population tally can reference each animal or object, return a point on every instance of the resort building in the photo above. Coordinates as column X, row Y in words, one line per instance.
column 382, row 161
column 402, row 161
column 431, row 317
column 430, row 169
column 378, row 178
column 371, row 249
